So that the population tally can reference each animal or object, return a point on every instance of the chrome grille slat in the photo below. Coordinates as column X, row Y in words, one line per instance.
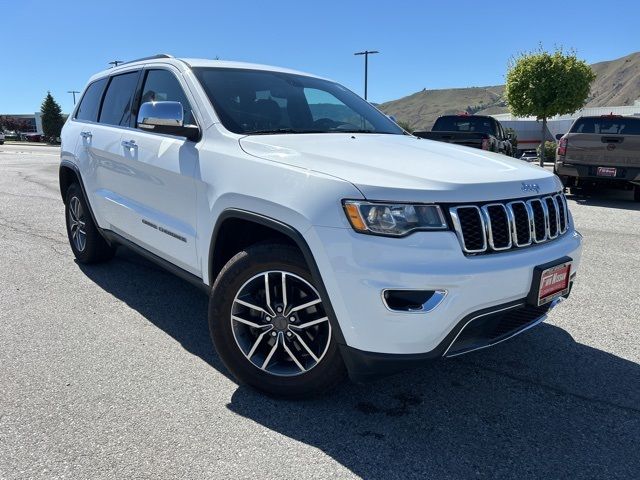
column 520, row 217
column 502, row 226
column 553, row 216
column 496, row 228
column 467, row 243
column 563, row 219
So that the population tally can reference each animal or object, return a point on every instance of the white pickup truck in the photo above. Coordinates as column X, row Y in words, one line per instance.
column 328, row 239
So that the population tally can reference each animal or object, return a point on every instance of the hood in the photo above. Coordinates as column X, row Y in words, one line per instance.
column 405, row 168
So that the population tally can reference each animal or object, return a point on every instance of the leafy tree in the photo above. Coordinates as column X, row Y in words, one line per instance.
column 13, row 124
column 543, row 84
column 405, row 125
column 51, row 117
column 549, row 150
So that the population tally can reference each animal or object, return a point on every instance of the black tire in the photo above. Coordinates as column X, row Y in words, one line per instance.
column 95, row 248
column 636, row 193
column 249, row 266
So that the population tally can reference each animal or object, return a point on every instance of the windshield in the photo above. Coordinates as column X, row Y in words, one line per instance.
column 607, row 125
column 463, row 124
column 263, row 102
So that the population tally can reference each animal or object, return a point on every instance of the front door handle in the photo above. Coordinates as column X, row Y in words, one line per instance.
column 128, row 144
column 86, row 134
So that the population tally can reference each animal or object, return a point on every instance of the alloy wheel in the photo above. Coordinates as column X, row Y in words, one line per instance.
column 77, row 224
column 279, row 323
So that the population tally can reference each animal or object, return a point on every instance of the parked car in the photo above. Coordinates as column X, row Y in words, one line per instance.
column 10, row 135
column 1, row 138
column 529, row 156
column 475, row 131
column 327, row 239
column 32, row 137
column 601, row 151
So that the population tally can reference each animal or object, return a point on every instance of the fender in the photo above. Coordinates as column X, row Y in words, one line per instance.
column 74, row 167
column 300, row 242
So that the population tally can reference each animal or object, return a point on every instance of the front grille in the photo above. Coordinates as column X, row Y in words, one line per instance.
column 503, row 226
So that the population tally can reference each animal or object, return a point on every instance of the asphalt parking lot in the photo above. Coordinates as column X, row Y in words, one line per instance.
column 108, row 372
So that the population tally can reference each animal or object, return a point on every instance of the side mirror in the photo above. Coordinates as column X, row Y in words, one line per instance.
column 559, row 136
column 166, row 117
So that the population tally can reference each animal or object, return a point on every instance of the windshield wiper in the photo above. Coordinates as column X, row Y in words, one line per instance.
column 276, row 131
column 355, row 130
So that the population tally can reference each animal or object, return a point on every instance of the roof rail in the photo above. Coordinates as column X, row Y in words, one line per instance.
column 152, row 57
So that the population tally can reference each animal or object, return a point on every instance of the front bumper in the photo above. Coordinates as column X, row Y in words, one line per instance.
column 357, row 268
column 476, row 331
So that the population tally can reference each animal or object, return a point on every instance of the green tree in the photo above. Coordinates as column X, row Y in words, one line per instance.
column 543, row 84
column 51, row 117
column 549, row 149
column 405, row 125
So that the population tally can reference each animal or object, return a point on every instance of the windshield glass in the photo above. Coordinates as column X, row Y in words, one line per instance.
column 263, row 102
column 463, row 124
column 607, row 125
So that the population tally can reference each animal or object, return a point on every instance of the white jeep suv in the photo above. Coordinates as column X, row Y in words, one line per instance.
column 329, row 240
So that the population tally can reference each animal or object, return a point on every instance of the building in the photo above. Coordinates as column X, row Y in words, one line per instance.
column 34, row 121
column 529, row 130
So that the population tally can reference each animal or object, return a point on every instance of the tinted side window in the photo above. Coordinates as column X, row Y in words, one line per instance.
column 163, row 86
column 116, row 107
column 90, row 103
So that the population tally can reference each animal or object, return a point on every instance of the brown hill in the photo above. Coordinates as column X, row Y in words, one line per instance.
column 617, row 83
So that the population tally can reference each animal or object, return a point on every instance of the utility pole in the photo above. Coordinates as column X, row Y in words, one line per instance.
column 366, row 54
column 73, row 92
column 115, row 63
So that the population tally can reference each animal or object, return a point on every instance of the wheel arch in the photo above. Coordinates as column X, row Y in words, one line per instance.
column 69, row 173
column 273, row 230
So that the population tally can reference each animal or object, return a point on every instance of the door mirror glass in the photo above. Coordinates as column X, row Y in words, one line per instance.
column 160, row 114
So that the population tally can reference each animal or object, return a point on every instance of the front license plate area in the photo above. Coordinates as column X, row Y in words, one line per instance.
column 550, row 281
column 607, row 172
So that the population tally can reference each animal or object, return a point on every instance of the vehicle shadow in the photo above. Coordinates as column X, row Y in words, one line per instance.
column 170, row 303
column 541, row 406
column 609, row 198
column 538, row 406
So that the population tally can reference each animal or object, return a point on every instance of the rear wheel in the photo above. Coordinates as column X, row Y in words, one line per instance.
column 87, row 244
column 269, row 325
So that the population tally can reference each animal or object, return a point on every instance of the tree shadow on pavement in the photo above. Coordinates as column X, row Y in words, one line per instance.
column 538, row 406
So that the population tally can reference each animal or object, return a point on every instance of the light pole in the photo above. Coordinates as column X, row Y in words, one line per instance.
column 115, row 63
column 73, row 92
column 366, row 54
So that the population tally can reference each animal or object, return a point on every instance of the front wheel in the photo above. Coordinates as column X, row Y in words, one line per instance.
column 269, row 324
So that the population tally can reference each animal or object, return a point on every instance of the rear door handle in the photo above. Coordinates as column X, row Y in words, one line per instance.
column 86, row 134
column 128, row 144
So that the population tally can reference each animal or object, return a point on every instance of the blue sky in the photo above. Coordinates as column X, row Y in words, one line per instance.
column 57, row 45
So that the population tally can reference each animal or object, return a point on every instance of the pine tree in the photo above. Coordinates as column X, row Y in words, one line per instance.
column 51, row 117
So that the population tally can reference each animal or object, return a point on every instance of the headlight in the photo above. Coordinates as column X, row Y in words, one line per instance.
column 395, row 219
